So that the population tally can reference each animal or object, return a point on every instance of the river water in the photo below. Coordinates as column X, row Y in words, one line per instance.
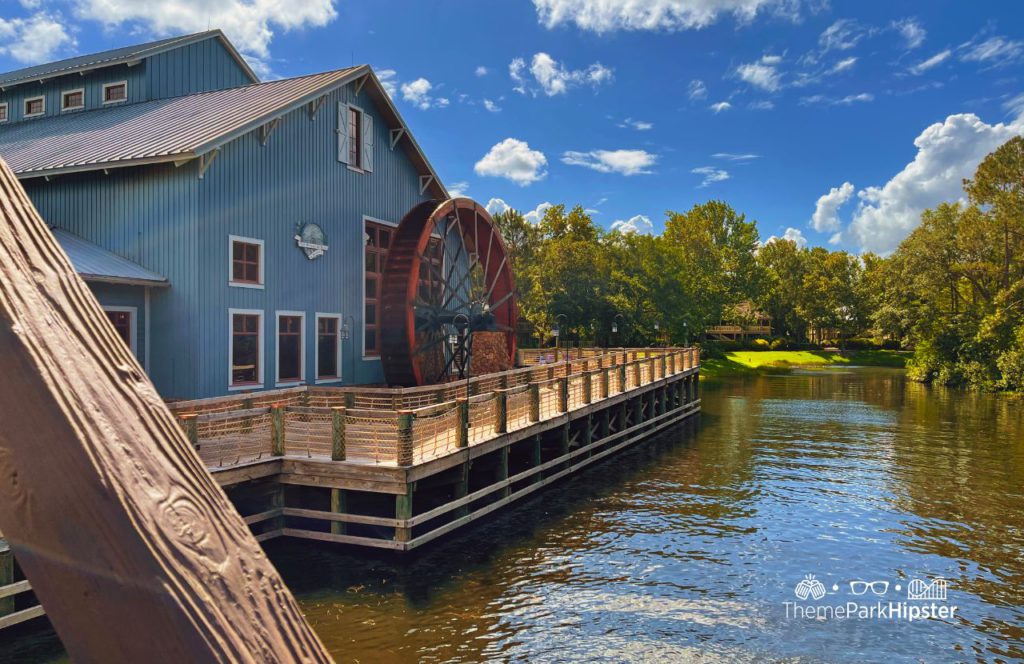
column 693, row 545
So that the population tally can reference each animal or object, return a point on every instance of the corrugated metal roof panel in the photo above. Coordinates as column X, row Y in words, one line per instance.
column 94, row 263
column 112, row 57
column 154, row 130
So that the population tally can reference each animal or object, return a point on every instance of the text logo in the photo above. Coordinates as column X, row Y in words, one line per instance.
column 311, row 239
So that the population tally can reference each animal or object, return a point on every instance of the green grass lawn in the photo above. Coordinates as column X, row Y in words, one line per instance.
column 751, row 361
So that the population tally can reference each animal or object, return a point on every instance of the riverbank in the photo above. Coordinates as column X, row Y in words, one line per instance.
column 752, row 361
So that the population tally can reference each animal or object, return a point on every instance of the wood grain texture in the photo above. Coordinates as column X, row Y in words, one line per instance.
column 132, row 548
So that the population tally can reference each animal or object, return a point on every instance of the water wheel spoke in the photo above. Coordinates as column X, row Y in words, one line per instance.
column 504, row 298
column 497, row 278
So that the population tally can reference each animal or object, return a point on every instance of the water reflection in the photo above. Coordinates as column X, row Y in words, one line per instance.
column 686, row 547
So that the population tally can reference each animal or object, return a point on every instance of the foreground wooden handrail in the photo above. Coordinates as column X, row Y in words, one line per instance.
column 134, row 551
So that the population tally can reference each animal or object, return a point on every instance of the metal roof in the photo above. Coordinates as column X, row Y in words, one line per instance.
column 116, row 56
column 94, row 263
column 153, row 131
column 180, row 128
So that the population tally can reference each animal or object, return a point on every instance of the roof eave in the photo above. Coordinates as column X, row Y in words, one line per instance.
column 123, row 281
column 105, row 166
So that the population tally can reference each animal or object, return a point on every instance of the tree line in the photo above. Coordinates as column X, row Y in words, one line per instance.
column 952, row 292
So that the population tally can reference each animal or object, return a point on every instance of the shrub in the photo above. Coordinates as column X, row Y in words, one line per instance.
column 761, row 344
column 779, row 344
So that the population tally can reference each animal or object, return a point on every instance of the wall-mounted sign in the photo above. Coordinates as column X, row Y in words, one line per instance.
column 311, row 239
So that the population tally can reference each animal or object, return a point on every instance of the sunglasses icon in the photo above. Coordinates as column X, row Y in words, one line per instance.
column 861, row 587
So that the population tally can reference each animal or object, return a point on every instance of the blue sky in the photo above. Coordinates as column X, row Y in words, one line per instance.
column 833, row 123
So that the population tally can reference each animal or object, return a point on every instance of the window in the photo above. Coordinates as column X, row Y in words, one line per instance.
column 290, row 356
column 246, row 348
column 246, row 262
column 378, row 239
column 35, row 106
column 355, row 137
column 115, row 92
column 3, row 112
column 123, row 320
column 328, row 347
column 72, row 100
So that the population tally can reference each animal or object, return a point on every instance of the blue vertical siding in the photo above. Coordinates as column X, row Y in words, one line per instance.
column 147, row 215
column 264, row 192
column 198, row 67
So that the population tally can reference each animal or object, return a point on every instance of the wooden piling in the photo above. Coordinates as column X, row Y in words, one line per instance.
column 501, row 471
column 6, row 577
column 339, row 505
column 563, row 395
column 501, row 411
column 605, row 377
column 534, row 402
column 338, row 416
column 536, row 458
column 403, row 510
column 405, row 451
column 277, row 416
column 588, row 386
column 462, row 433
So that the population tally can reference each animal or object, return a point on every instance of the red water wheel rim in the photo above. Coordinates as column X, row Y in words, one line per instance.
column 447, row 274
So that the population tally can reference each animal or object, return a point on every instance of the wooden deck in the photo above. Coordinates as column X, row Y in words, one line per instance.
column 397, row 468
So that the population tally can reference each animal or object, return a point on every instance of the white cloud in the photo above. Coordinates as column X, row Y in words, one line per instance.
column 912, row 31
column 1015, row 105
column 711, row 175
column 624, row 162
column 418, row 94
column 842, row 35
column 843, row 65
column 1000, row 50
column 720, row 106
column 791, row 234
column 496, row 206
column 732, row 156
column 696, row 89
column 826, row 211
column 763, row 105
column 848, row 100
column 491, row 106
column 35, row 39
column 553, row 77
column 763, row 74
column 389, row 80
column 947, row 152
column 933, row 61
column 639, row 125
column 456, row 189
column 514, row 160
column 671, row 15
column 250, row 24
column 535, row 215
column 638, row 224
column 481, row 71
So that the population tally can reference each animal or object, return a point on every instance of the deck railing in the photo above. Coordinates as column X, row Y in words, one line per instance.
column 403, row 426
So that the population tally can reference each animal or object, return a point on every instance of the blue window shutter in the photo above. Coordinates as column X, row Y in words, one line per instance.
column 342, row 132
column 367, row 142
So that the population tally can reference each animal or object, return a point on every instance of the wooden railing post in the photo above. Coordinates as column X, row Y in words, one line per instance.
column 535, row 402
column 189, row 422
column 664, row 364
column 405, row 420
column 338, row 415
column 277, row 417
column 462, row 434
column 605, row 377
column 637, row 373
column 350, row 400
column 621, row 370
column 500, row 411
column 588, row 386
column 563, row 394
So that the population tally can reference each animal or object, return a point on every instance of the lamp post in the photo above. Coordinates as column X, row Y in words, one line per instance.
column 453, row 339
column 615, row 324
column 686, row 335
column 346, row 335
column 556, row 332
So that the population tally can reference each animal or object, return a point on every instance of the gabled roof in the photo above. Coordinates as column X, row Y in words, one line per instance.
column 94, row 263
column 124, row 55
column 181, row 128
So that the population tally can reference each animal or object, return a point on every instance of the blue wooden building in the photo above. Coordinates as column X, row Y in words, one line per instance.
column 234, row 230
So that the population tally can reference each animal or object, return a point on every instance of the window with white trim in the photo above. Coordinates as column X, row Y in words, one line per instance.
column 246, row 262
column 72, row 100
column 290, row 352
column 35, row 106
column 124, row 320
column 115, row 93
column 328, row 347
column 246, row 348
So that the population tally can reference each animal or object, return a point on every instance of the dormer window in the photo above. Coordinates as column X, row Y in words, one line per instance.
column 72, row 100
column 114, row 93
column 3, row 112
column 35, row 106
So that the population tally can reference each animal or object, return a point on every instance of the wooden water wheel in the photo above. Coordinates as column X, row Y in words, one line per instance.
column 446, row 278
